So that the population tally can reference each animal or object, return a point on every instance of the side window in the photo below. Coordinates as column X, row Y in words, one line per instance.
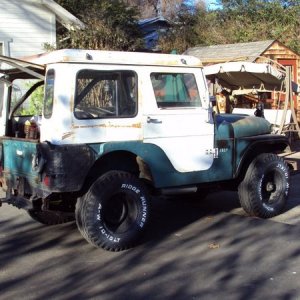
column 175, row 90
column 49, row 94
column 102, row 94
column 27, row 97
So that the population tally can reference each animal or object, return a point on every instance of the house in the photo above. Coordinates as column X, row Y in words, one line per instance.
column 25, row 26
column 271, row 50
column 152, row 28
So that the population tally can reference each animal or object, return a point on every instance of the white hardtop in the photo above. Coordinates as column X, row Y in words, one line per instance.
column 113, row 57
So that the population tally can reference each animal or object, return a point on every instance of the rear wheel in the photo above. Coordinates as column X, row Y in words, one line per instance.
column 114, row 212
column 264, row 190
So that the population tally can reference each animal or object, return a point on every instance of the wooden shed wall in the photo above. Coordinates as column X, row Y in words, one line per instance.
column 278, row 52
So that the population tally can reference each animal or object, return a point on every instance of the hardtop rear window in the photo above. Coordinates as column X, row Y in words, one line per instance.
column 105, row 94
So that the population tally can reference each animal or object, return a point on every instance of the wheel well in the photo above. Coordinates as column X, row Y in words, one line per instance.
column 119, row 160
column 252, row 152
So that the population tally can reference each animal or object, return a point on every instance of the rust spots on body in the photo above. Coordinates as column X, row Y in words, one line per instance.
column 135, row 125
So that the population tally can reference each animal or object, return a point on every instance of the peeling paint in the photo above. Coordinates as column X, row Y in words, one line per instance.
column 67, row 135
column 109, row 125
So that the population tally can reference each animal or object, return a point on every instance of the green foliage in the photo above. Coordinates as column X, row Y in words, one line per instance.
column 242, row 21
column 183, row 33
column 110, row 25
column 33, row 106
column 76, row 7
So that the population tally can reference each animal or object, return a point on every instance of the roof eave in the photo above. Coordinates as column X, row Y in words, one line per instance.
column 63, row 16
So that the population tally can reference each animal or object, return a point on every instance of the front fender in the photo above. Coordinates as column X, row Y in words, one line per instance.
column 247, row 148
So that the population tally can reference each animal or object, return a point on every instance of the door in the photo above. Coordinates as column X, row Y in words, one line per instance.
column 179, row 125
column 293, row 64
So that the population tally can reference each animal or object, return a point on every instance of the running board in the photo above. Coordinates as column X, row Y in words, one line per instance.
column 176, row 191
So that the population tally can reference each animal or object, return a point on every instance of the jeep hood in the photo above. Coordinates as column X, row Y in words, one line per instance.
column 238, row 125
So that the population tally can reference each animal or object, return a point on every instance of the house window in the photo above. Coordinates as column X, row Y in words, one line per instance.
column 5, row 46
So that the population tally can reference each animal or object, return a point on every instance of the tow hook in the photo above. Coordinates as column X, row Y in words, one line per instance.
column 18, row 202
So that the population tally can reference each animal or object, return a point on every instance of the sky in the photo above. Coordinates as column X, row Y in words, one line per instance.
column 211, row 4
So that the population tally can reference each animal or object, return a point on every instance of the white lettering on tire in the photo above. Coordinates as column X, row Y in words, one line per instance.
column 143, row 202
column 108, row 236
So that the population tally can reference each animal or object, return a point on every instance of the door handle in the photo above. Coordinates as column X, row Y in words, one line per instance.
column 19, row 153
column 153, row 120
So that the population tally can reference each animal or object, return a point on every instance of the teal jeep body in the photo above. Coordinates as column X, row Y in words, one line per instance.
column 114, row 130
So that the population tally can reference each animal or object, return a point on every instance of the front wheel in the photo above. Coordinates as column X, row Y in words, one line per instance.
column 264, row 190
column 114, row 212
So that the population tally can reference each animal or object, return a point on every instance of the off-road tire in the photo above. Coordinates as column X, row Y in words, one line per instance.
column 264, row 191
column 114, row 213
column 51, row 218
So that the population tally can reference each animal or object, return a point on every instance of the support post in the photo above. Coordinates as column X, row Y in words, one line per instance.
column 292, row 125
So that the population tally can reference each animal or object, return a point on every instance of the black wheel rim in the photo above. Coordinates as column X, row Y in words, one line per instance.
column 119, row 213
column 272, row 187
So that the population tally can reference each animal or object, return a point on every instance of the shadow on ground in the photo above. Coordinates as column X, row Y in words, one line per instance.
column 192, row 250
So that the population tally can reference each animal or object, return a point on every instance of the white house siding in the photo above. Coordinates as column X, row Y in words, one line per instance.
column 25, row 25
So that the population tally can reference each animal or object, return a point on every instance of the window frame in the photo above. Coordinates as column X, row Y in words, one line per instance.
column 49, row 115
column 5, row 46
column 177, row 104
column 111, row 73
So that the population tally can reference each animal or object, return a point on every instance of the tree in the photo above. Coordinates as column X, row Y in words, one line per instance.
column 113, row 24
column 239, row 21
column 154, row 8
column 252, row 20
column 110, row 25
column 183, row 33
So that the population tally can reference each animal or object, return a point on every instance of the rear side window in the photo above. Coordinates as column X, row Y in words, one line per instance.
column 49, row 94
column 102, row 94
column 27, row 97
column 175, row 90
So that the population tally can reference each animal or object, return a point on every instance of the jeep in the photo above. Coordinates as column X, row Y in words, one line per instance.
column 116, row 128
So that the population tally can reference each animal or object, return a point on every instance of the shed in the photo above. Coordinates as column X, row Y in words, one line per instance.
column 252, row 52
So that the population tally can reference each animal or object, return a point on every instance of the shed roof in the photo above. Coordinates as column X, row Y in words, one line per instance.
column 222, row 53
column 146, row 22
